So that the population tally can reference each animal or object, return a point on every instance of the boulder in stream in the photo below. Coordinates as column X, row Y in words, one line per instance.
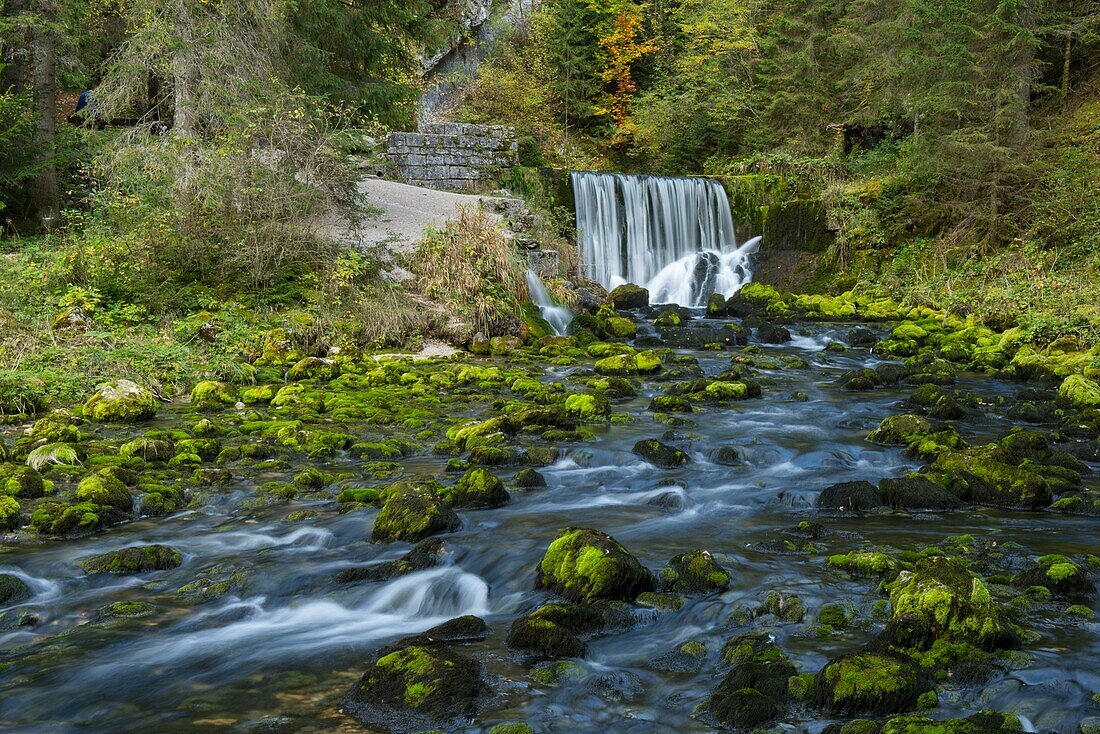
column 694, row 573
column 660, row 454
column 478, row 488
column 629, row 296
column 916, row 493
column 425, row 554
column 135, row 559
column 585, row 565
column 121, row 401
column 849, row 496
column 13, row 589
column 871, row 683
column 1062, row 576
column 411, row 513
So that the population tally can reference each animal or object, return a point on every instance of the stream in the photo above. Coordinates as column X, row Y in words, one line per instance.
column 280, row 648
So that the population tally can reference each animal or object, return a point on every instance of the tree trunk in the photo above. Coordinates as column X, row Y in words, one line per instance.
column 1022, row 72
column 14, row 75
column 185, row 76
column 44, row 188
column 1065, row 67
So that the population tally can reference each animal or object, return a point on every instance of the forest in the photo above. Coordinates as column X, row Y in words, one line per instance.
column 526, row 366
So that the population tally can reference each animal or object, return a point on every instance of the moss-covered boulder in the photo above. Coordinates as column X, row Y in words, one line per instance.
column 121, row 401
column 13, row 589
column 901, row 430
column 1078, row 391
column 870, row 683
column 210, row 395
column 1060, row 575
column 629, row 296
column 148, row 449
column 588, row 407
column 660, row 454
column 105, row 489
column 10, row 515
column 848, row 496
column 528, row 478
column 314, row 368
column 694, row 573
column 634, row 363
column 24, row 482
column 418, row 688
column 556, row 631
column 135, row 559
column 478, row 488
column 412, row 512
column 585, row 565
column 755, row 690
column 871, row 564
column 941, row 600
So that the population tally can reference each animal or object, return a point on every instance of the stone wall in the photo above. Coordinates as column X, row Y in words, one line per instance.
column 453, row 156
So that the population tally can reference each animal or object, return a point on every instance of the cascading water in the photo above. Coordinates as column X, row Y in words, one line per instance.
column 557, row 316
column 673, row 235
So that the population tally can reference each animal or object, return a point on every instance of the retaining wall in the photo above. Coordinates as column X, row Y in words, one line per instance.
column 453, row 156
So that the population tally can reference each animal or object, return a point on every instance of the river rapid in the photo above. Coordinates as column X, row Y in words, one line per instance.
column 251, row 633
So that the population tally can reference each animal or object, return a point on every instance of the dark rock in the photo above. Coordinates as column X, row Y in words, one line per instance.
column 859, row 380
column 716, row 306
column 772, row 334
column 13, row 589
column 729, row 455
column 888, row 373
column 697, row 337
column 1062, row 576
column 849, row 496
column 419, row 688
column 555, row 630
column 861, row 337
column 413, row 513
column 425, row 554
column 694, row 573
column 660, row 454
column 467, row 628
column 916, row 493
column 871, row 683
column 529, row 478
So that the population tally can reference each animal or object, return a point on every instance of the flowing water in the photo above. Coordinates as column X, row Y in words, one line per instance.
column 673, row 235
column 278, row 651
column 557, row 316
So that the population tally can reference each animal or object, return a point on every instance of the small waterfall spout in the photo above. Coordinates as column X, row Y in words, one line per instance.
column 672, row 235
column 557, row 316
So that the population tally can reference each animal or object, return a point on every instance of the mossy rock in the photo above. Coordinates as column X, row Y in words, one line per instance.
column 66, row 519
column 984, row 722
column 57, row 426
column 512, row 728
column 694, row 573
column 866, row 563
column 135, row 559
column 478, row 488
column 741, row 709
column 412, row 513
column 528, row 478
column 13, row 589
column 148, row 449
column 787, row 607
column 660, row 454
column 10, row 515
column 555, row 631
column 620, row 328
column 916, row 493
column 259, row 394
column 105, row 489
column 941, row 600
column 901, row 430
column 868, row 682
column 621, row 365
column 1077, row 391
column 418, row 688
column 24, row 482
column 314, row 368
column 585, row 565
column 121, row 401
column 1062, row 576
column 757, row 662
column 670, row 404
column 629, row 296
column 588, row 407
column 210, row 395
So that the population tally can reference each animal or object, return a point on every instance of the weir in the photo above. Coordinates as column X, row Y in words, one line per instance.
column 672, row 235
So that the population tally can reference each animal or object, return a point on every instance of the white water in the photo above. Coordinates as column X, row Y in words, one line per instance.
column 672, row 235
column 557, row 316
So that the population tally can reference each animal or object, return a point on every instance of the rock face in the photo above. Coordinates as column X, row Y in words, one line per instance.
column 940, row 600
column 870, row 683
column 585, row 565
column 121, row 401
column 136, row 559
column 418, row 688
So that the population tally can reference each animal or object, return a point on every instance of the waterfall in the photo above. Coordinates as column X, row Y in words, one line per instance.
column 557, row 316
column 672, row 235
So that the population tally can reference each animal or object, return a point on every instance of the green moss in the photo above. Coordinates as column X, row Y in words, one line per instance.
column 620, row 328
column 901, row 430
column 869, row 682
column 103, row 488
column 147, row 449
column 10, row 518
column 695, row 573
column 210, row 395
column 640, row 363
column 136, row 559
column 588, row 407
column 865, row 563
column 121, row 401
column 412, row 513
column 478, row 488
column 24, row 482
column 800, row 686
column 314, row 367
column 585, row 565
